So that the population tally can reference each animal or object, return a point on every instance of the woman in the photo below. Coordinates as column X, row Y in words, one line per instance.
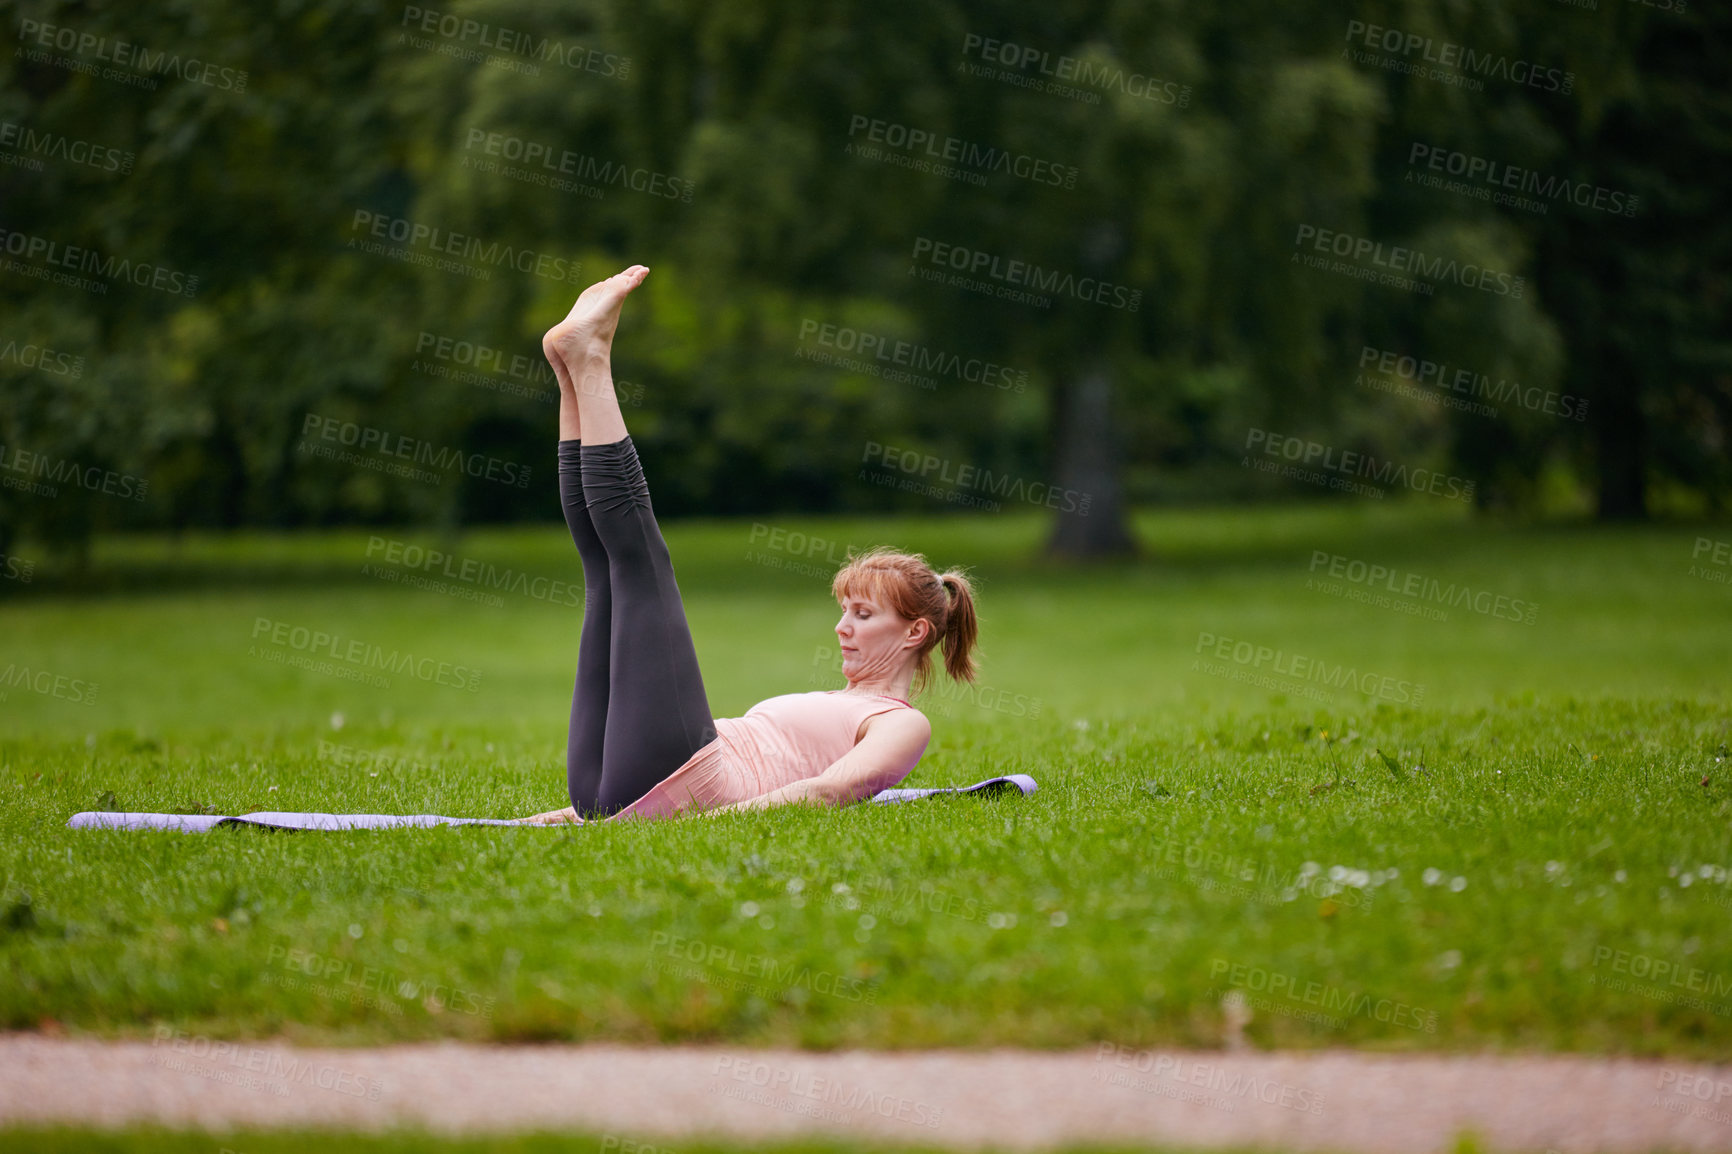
column 642, row 742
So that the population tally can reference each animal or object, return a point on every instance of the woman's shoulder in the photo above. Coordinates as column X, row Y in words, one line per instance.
column 903, row 719
column 906, row 730
column 873, row 701
column 876, row 704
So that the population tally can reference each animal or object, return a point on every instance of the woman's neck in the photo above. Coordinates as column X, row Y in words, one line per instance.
column 896, row 687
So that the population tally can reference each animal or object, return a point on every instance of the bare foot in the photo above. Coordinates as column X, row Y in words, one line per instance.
column 587, row 331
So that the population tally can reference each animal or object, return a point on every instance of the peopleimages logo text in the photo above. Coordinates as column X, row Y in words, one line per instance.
column 1396, row 258
column 1492, row 65
column 1401, row 583
column 414, row 234
column 388, row 444
column 47, row 251
column 364, row 654
column 1354, row 464
column 775, row 973
column 1663, row 971
column 40, row 142
column 1304, row 668
column 42, row 358
column 1514, row 178
column 417, row 559
column 125, row 54
column 1454, row 379
column 1002, row 485
column 531, row 46
column 59, row 471
column 975, row 262
column 913, row 356
column 551, row 158
column 1079, row 70
column 954, row 150
column 1334, row 999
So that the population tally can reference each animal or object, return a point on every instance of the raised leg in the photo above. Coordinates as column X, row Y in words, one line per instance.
column 639, row 710
column 587, row 331
column 589, row 697
column 657, row 712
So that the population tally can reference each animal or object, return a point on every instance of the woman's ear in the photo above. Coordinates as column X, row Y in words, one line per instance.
column 918, row 632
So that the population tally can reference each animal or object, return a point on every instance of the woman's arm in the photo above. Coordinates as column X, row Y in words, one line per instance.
column 889, row 751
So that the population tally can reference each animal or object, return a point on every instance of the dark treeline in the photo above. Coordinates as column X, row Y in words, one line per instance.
column 288, row 263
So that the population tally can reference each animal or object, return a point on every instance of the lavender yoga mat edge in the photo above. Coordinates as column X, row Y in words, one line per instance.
column 277, row 819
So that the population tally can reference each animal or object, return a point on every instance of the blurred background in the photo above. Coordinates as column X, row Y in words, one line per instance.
column 288, row 264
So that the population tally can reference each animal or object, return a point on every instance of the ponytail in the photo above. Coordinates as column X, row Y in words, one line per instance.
column 961, row 630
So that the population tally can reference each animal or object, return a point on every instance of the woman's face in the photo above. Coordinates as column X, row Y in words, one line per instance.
column 876, row 640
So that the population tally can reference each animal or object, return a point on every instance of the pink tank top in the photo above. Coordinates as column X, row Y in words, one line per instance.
column 798, row 735
column 779, row 741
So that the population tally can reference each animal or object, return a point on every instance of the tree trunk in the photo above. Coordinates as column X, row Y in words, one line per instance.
column 1620, row 442
column 1090, row 503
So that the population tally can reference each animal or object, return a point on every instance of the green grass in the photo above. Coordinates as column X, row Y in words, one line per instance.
column 1573, row 781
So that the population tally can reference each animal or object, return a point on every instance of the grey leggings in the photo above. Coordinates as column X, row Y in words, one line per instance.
column 639, row 711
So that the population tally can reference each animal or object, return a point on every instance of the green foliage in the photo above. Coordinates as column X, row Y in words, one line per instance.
column 756, row 110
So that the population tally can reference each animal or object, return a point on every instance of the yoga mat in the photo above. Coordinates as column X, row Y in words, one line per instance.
column 992, row 786
column 200, row 822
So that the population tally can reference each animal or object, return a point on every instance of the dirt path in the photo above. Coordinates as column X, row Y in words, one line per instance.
column 1332, row 1100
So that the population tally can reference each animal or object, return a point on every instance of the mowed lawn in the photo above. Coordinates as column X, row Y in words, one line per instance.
column 1269, row 801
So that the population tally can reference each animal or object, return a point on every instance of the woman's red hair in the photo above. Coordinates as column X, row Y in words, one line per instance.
column 905, row 583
